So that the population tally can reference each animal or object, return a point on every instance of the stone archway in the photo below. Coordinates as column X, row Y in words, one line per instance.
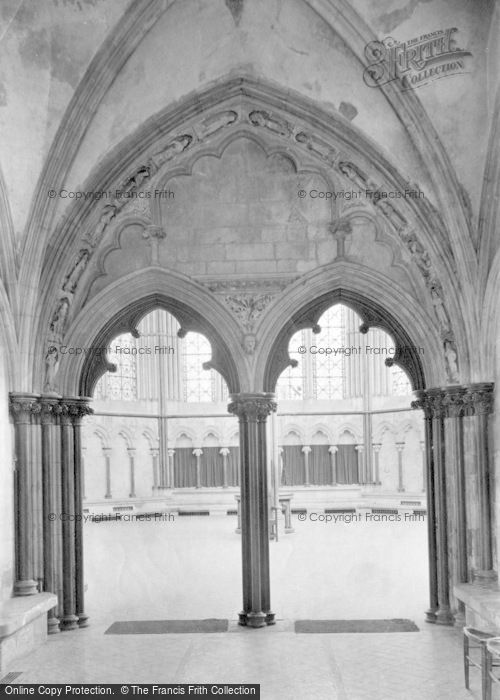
column 460, row 540
column 48, row 433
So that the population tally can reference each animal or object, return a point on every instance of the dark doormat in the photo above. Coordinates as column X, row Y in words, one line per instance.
column 167, row 626
column 354, row 626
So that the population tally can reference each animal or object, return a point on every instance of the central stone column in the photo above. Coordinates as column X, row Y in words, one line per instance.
column 252, row 411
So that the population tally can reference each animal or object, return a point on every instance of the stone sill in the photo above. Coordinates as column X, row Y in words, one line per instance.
column 18, row 612
column 483, row 600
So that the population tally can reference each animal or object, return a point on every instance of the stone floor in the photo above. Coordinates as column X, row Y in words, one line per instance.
column 141, row 571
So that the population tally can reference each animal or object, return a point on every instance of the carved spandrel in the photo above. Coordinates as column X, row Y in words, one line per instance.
column 248, row 308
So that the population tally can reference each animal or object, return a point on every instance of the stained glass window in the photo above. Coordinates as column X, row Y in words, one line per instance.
column 328, row 368
column 290, row 385
column 122, row 384
column 400, row 384
column 199, row 384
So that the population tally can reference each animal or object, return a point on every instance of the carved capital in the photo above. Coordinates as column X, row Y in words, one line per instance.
column 252, row 407
column 23, row 406
column 432, row 403
column 478, row 399
column 49, row 410
column 74, row 409
column 453, row 399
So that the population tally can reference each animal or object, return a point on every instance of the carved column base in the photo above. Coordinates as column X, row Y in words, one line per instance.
column 444, row 616
column 53, row 625
column 27, row 587
column 430, row 615
column 83, row 620
column 253, row 619
column 69, row 622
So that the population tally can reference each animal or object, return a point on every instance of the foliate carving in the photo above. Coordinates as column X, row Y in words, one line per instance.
column 320, row 148
column 479, row 399
column 252, row 407
column 272, row 285
column 273, row 122
column 453, row 399
column 431, row 402
column 456, row 401
column 49, row 409
column 22, row 407
column 74, row 410
column 248, row 308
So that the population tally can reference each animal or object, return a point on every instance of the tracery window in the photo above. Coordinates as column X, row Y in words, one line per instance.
column 200, row 384
column 122, row 384
column 400, row 384
column 291, row 383
column 329, row 369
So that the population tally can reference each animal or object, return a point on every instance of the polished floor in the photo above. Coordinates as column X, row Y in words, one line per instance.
column 190, row 569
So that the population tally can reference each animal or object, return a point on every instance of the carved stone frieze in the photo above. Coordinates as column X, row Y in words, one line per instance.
column 318, row 146
column 72, row 278
column 216, row 122
column 251, row 286
column 270, row 121
column 173, row 148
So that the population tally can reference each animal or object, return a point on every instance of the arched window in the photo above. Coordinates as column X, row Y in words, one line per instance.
column 122, row 384
column 334, row 363
column 200, row 384
column 329, row 368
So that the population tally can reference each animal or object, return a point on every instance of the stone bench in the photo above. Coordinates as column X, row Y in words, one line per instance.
column 23, row 626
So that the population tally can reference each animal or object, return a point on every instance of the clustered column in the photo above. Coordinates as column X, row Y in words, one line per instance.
column 252, row 411
column 458, row 492
column 48, row 487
